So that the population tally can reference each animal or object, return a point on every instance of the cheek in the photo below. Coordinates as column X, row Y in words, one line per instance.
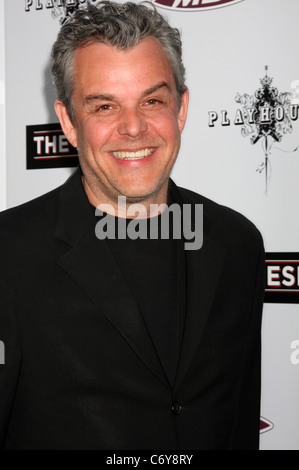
column 92, row 136
column 170, row 130
column 167, row 127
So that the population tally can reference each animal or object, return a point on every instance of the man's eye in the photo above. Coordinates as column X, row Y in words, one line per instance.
column 104, row 107
column 152, row 102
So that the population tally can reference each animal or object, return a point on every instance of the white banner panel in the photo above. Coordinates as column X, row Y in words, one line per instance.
column 29, row 94
column 2, row 112
column 240, row 146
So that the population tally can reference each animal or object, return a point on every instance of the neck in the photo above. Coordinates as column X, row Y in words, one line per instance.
column 128, row 207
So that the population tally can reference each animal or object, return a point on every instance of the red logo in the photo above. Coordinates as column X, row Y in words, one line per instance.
column 197, row 5
column 265, row 425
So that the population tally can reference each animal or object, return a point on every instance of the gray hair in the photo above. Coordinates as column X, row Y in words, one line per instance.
column 122, row 25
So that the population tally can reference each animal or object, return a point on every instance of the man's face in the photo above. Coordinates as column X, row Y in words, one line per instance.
column 128, row 121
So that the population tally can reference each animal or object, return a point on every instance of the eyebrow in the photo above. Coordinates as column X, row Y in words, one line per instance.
column 98, row 97
column 155, row 88
column 108, row 97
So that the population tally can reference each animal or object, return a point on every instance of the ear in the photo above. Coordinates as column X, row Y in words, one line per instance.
column 182, row 114
column 66, row 123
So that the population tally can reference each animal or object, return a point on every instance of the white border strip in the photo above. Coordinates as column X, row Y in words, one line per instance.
column 2, row 111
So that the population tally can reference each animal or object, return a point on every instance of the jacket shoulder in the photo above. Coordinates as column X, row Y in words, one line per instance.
column 226, row 223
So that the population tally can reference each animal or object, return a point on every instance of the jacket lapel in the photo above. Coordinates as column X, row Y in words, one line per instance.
column 91, row 264
column 202, row 275
column 203, row 269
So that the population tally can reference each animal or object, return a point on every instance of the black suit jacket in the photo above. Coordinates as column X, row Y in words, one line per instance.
column 80, row 369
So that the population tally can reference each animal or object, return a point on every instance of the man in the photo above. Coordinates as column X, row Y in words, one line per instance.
column 119, row 343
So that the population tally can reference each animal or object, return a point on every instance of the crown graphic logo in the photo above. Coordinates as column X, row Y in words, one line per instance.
column 268, row 116
column 65, row 10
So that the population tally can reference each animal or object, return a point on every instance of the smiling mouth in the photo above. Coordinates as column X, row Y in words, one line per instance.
column 134, row 155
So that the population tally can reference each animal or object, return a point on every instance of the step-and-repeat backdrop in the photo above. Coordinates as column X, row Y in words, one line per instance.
column 240, row 146
column 2, row 112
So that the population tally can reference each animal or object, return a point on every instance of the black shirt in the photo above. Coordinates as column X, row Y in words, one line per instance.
column 155, row 271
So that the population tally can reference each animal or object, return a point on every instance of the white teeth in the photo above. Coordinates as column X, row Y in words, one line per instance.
column 134, row 155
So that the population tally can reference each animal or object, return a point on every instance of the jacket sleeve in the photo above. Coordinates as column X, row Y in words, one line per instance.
column 247, row 421
column 10, row 361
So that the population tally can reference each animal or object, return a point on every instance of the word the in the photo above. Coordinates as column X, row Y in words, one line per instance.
column 173, row 223
column 51, row 144
column 265, row 115
column 295, row 354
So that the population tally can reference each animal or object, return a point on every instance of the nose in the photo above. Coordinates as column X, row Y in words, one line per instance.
column 132, row 123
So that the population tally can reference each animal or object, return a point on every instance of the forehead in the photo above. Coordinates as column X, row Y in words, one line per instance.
column 99, row 65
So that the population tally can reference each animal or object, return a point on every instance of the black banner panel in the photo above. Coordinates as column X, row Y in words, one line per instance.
column 47, row 147
column 282, row 285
